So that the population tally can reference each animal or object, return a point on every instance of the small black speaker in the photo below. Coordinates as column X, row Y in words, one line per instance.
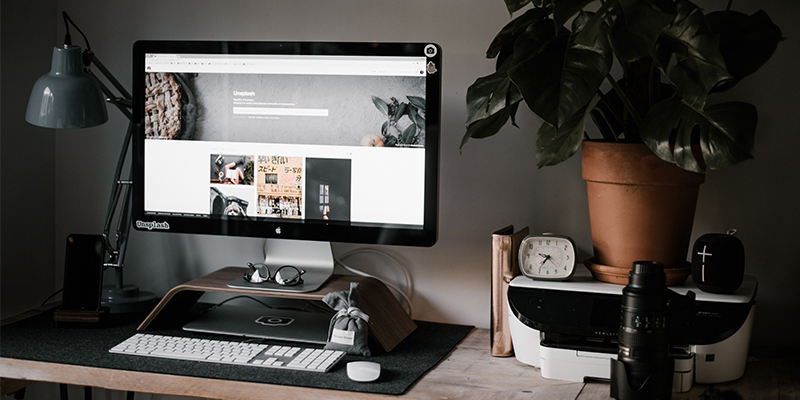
column 718, row 262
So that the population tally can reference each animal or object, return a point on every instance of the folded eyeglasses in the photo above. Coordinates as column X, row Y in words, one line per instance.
column 287, row 275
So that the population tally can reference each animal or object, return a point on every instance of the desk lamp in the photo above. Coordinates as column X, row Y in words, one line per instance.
column 70, row 97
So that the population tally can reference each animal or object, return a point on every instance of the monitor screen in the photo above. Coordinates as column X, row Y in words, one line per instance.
column 312, row 141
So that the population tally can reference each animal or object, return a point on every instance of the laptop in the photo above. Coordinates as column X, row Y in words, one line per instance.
column 263, row 323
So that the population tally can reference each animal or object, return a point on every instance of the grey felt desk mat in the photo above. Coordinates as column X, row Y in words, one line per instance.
column 37, row 339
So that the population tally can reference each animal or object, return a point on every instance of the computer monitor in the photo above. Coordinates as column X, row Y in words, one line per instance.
column 302, row 143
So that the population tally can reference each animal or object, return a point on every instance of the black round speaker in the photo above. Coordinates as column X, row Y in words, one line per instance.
column 718, row 262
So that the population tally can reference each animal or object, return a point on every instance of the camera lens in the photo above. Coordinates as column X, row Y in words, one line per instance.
column 643, row 335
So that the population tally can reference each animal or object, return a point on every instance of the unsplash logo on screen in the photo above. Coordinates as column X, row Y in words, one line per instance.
column 150, row 225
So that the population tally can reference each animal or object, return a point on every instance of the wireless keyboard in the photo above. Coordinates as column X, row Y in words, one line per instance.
column 229, row 352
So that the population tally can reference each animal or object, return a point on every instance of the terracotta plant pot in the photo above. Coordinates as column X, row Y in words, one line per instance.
column 641, row 208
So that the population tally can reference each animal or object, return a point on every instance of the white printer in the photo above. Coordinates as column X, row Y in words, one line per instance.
column 569, row 329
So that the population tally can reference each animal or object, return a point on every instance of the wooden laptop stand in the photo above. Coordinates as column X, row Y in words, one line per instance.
column 389, row 323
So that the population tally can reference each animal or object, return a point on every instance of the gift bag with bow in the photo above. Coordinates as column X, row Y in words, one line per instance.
column 348, row 330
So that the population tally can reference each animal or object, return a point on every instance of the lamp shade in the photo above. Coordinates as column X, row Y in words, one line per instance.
column 66, row 97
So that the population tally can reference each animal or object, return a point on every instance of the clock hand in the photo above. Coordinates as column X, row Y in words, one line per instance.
column 545, row 257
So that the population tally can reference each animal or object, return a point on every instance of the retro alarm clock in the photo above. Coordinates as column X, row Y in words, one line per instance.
column 718, row 262
column 547, row 257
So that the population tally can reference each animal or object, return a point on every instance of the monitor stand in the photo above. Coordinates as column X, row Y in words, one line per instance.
column 316, row 258
column 389, row 323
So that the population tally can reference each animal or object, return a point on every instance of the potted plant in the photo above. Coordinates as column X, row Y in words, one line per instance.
column 393, row 134
column 643, row 71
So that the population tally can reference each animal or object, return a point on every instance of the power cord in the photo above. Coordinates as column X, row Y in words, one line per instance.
column 407, row 277
column 51, row 296
column 398, row 265
column 308, row 304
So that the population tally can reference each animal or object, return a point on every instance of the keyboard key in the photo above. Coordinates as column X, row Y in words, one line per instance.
column 229, row 352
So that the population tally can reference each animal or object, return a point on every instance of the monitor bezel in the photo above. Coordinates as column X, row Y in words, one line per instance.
column 316, row 230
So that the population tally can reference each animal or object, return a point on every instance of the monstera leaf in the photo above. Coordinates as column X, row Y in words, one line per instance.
column 745, row 41
column 726, row 133
column 634, row 32
column 490, row 95
column 556, row 144
column 672, row 58
column 561, row 78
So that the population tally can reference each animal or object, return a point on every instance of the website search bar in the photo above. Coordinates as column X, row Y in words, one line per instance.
column 298, row 112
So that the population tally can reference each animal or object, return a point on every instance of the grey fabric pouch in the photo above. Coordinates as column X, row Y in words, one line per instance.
column 349, row 327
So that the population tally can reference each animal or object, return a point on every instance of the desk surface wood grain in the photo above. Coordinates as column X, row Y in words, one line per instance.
column 469, row 372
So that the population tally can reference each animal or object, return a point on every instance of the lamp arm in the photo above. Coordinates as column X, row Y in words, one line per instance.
column 108, row 75
column 120, row 297
column 122, row 105
column 117, row 250
column 124, row 224
column 117, row 246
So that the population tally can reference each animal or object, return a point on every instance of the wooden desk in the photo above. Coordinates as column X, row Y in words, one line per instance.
column 469, row 372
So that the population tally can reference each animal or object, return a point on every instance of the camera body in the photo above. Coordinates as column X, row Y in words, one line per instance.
column 652, row 317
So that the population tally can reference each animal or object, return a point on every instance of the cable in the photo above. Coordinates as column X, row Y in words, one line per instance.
column 51, row 296
column 408, row 281
column 67, row 37
column 308, row 303
column 405, row 296
column 243, row 297
column 389, row 285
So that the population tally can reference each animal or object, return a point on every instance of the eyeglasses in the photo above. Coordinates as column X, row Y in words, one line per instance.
column 286, row 275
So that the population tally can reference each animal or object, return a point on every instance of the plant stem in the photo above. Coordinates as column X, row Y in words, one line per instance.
column 654, row 92
column 625, row 100
column 608, row 134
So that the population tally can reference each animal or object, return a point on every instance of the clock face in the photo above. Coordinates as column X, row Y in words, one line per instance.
column 547, row 257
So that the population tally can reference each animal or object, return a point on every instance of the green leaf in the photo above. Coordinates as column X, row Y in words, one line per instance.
column 746, row 42
column 732, row 136
column 563, row 10
column 691, row 30
column 515, row 5
column 489, row 126
column 529, row 42
column 667, row 6
column 381, row 105
column 407, row 137
column 588, row 32
column 634, row 32
column 390, row 130
column 726, row 133
column 401, row 110
column 416, row 101
column 695, row 41
column 563, row 77
column 416, row 118
column 508, row 35
column 490, row 94
column 694, row 79
column 554, row 145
